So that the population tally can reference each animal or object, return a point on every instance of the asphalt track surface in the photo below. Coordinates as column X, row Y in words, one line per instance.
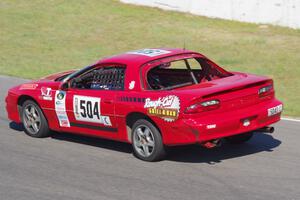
column 67, row 166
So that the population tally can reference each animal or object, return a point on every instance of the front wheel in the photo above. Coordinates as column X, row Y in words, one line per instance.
column 34, row 121
column 239, row 139
column 147, row 141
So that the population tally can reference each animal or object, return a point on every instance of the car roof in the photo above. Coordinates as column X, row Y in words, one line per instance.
column 142, row 56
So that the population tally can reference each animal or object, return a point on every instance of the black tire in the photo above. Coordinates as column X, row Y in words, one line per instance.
column 41, row 129
column 239, row 139
column 154, row 138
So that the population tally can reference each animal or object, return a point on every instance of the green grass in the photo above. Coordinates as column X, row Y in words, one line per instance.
column 42, row 37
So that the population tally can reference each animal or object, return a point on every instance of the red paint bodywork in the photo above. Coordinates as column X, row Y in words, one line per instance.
column 237, row 102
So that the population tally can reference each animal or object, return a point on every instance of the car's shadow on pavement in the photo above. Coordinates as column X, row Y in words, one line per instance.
column 192, row 154
column 260, row 142
column 93, row 141
column 16, row 126
column 81, row 139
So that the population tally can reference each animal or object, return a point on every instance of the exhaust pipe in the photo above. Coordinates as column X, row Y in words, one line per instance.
column 212, row 143
column 267, row 129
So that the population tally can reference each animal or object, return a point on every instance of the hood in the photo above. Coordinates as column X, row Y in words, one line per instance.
column 58, row 76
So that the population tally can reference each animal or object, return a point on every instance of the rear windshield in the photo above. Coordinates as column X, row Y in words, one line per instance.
column 182, row 73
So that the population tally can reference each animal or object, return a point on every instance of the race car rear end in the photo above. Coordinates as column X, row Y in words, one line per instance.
column 241, row 104
column 246, row 107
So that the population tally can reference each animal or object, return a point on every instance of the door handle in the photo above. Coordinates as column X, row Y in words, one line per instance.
column 108, row 101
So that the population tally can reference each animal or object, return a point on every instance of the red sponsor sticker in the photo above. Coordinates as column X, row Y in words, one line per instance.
column 29, row 86
column 64, row 123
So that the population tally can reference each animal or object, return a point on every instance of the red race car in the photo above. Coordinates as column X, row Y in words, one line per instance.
column 151, row 98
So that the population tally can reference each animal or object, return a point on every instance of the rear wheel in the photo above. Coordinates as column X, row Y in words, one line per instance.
column 147, row 141
column 34, row 121
column 239, row 139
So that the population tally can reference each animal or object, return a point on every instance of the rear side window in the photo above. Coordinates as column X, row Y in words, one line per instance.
column 104, row 78
column 182, row 73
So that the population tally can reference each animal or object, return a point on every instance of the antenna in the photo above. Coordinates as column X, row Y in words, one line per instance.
column 184, row 44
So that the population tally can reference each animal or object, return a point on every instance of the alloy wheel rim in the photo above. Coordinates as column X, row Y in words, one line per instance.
column 143, row 141
column 32, row 119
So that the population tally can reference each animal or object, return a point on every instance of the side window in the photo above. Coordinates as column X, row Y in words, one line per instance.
column 181, row 73
column 103, row 78
column 194, row 64
column 169, row 75
column 176, row 65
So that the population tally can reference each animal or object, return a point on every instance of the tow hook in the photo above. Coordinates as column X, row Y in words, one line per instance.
column 212, row 143
column 267, row 129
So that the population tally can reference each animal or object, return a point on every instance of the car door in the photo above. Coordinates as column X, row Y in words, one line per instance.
column 91, row 101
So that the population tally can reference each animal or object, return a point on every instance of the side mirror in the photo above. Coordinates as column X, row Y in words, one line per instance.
column 64, row 86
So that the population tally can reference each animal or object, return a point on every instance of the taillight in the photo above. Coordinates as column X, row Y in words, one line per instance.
column 266, row 90
column 203, row 106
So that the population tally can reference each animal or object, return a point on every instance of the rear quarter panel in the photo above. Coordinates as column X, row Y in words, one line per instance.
column 165, row 116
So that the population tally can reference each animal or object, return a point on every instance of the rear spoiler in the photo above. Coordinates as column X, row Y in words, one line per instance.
column 238, row 88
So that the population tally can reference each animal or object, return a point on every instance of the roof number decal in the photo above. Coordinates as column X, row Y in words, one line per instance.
column 149, row 52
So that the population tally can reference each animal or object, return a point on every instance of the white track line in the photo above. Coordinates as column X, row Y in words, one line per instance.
column 290, row 119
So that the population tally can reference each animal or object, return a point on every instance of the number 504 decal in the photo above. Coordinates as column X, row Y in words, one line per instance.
column 88, row 109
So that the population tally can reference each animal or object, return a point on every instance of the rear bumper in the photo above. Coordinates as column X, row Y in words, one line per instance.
column 218, row 125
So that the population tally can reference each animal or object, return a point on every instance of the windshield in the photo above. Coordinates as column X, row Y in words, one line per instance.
column 76, row 73
column 182, row 73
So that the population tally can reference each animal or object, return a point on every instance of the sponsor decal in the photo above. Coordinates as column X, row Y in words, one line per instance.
column 58, row 102
column 165, row 107
column 60, row 95
column 131, row 85
column 149, row 52
column 64, row 123
column 60, row 108
column 88, row 109
column 46, row 93
column 211, row 126
column 62, row 117
column 29, row 86
column 246, row 122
